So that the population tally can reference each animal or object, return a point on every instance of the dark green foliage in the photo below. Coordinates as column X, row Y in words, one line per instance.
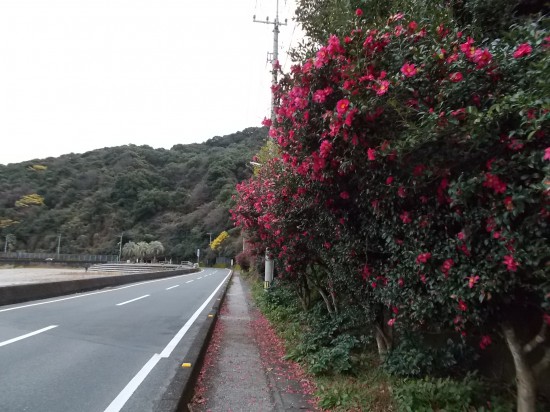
column 482, row 18
column 431, row 394
column 175, row 196
column 413, row 357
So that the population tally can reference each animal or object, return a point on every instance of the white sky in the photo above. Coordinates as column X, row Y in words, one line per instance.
column 77, row 75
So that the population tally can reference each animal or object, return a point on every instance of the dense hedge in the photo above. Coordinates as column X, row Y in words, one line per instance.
column 412, row 181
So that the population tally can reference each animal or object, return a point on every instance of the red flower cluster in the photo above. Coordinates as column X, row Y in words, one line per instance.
column 522, row 50
column 493, row 182
column 423, row 257
column 485, row 341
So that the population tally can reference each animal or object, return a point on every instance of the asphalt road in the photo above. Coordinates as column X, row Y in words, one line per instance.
column 109, row 350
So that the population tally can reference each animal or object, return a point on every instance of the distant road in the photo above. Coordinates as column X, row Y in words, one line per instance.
column 109, row 350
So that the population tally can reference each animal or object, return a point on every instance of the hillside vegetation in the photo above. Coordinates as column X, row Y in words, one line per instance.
column 175, row 196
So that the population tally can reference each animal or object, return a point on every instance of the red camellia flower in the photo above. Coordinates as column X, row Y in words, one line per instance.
column 546, row 317
column 523, row 49
column 482, row 58
column 325, row 149
column 462, row 305
column 493, row 182
column 456, row 77
column 391, row 322
column 405, row 218
column 342, row 106
column 446, row 266
column 510, row 263
column 468, row 48
column 423, row 257
column 485, row 341
column 546, row 154
column 358, row 12
column 401, row 192
column 508, row 203
column 366, row 272
column 344, row 195
column 413, row 26
column 472, row 280
column 459, row 114
column 408, row 70
column 371, row 154
column 382, row 87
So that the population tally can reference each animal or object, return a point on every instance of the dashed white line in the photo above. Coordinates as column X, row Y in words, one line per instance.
column 172, row 287
column 189, row 281
column 28, row 335
column 132, row 300
column 82, row 295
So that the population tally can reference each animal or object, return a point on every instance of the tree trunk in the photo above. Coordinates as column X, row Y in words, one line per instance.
column 525, row 379
column 327, row 301
column 383, row 343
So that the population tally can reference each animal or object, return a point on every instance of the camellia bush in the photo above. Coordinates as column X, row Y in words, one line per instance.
column 413, row 181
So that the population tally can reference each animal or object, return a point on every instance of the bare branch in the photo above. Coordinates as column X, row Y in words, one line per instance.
column 537, row 340
column 543, row 363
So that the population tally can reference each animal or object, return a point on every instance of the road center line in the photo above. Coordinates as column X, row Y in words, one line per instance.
column 132, row 300
column 118, row 403
column 189, row 281
column 172, row 287
column 81, row 295
column 28, row 335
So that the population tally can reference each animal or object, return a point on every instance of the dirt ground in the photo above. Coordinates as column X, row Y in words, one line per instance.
column 22, row 276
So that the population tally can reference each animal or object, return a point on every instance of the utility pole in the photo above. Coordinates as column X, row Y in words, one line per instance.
column 274, row 58
column 120, row 248
column 58, row 244
column 210, row 234
column 6, row 244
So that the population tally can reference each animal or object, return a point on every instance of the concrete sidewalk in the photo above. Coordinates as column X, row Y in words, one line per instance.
column 244, row 369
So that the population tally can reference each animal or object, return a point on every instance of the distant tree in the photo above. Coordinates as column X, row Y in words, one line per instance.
column 7, row 222
column 155, row 249
column 129, row 250
column 10, row 242
column 218, row 241
column 142, row 250
column 29, row 200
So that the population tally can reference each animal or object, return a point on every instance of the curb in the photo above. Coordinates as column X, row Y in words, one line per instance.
column 180, row 391
column 23, row 293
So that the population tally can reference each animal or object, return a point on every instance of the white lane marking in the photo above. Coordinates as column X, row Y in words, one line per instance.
column 199, row 278
column 189, row 281
column 118, row 403
column 28, row 335
column 132, row 300
column 172, row 287
column 96, row 293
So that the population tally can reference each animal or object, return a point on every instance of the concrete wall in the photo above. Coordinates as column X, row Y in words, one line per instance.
column 23, row 293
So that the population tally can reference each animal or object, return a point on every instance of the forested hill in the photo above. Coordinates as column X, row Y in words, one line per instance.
column 176, row 196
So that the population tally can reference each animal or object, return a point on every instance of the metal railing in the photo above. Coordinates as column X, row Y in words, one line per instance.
column 61, row 257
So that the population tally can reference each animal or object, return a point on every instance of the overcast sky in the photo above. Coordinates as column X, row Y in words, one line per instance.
column 77, row 75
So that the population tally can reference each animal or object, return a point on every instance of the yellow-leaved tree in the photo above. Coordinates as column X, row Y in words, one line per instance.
column 218, row 241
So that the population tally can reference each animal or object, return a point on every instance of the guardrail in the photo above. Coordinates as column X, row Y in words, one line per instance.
column 61, row 257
